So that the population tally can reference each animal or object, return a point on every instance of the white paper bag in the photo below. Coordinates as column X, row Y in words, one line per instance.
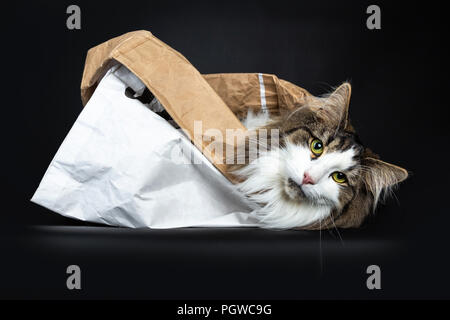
column 122, row 164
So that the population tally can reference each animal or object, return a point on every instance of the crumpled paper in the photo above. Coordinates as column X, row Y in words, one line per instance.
column 123, row 165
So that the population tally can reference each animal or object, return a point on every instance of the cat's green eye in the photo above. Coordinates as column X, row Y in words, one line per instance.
column 339, row 177
column 316, row 147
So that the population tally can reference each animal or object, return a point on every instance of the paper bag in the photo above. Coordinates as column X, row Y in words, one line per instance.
column 122, row 164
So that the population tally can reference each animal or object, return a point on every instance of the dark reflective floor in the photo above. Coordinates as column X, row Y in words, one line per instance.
column 198, row 263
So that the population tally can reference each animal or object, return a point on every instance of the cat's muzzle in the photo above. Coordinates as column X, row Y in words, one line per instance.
column 294, row 190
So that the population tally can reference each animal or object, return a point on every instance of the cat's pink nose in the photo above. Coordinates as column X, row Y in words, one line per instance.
column 307, row 179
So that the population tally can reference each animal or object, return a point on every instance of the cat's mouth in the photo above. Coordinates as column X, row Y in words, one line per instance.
column 293, row 190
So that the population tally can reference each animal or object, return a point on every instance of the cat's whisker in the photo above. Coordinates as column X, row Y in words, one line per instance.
column 337, row 230
column 320, row 246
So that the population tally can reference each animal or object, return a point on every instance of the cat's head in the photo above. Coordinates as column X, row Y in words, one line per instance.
column 320, row 176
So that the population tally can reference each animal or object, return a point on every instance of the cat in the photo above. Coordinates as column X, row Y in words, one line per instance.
column 320, row 175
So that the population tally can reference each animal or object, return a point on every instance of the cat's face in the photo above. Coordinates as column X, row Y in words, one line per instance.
column 320, row 176
column 320, row 170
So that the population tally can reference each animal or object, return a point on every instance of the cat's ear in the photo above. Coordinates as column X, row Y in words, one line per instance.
column 338, row 103
column 380, row 176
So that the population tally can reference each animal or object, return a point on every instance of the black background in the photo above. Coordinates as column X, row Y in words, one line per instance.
column 398, row 107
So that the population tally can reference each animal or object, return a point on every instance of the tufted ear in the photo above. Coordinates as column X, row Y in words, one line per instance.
column 337, row 104
column 379, row 176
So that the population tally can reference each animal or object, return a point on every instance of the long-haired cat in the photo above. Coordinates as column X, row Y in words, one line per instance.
column 320, row 175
